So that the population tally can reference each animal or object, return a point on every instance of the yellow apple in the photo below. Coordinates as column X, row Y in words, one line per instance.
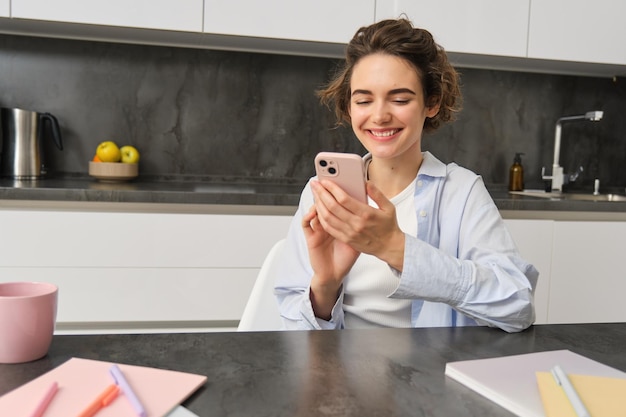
column 108, row 152
column 130, row 154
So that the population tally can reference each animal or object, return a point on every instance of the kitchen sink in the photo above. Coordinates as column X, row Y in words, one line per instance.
column 571, row 196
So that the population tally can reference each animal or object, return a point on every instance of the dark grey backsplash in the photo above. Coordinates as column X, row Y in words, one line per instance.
column 217, row 113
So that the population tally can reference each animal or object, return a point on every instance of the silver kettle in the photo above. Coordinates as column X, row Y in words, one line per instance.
column 22, row 142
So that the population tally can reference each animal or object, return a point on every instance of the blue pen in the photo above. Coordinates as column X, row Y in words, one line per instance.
column 119, row 379
column 561, row 379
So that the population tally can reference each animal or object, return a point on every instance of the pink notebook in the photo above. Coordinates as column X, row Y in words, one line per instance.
column 81, row 380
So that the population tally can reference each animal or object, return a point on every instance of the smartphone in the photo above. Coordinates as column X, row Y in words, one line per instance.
column 345, row 169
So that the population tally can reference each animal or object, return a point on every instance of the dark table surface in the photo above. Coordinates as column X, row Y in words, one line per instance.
column 386, row 372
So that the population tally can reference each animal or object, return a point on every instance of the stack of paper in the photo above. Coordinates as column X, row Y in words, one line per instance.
column 81, row 380
column 602, row 396
column 523, row 384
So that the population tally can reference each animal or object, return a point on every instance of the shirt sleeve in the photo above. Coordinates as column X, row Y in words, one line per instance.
column 293, row 281
column 487, row 280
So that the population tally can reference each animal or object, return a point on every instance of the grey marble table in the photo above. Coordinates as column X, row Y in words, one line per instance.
column 386, row 372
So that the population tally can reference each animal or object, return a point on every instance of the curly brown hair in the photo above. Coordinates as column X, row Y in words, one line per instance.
column 398, row 37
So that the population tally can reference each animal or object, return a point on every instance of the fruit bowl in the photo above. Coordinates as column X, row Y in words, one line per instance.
column 113, row 171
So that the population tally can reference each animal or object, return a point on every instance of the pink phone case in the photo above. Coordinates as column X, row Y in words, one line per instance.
column 345, row 169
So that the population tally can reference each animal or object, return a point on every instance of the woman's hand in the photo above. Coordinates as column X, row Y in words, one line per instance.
column 337, row 229
column 330, row 259
column 366, row 229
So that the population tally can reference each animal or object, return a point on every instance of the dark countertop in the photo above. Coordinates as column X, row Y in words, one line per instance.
column 378, row 372
column 234, row 191
column 244, row 191
column 506, row 201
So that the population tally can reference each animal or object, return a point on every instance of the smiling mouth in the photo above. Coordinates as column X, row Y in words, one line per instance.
column 384, row 133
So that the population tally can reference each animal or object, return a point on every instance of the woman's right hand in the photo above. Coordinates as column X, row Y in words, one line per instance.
column 330, row 259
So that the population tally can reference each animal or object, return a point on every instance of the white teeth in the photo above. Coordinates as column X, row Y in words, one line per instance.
column 386, row 133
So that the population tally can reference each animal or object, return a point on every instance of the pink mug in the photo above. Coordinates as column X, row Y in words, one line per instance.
column 27, row 318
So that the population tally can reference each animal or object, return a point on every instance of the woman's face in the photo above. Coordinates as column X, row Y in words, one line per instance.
column 387, row 107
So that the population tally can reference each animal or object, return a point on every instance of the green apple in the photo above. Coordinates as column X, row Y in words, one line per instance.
column 108, row 152
column 130, row 154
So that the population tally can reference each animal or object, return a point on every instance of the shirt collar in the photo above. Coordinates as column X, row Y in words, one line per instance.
column 431, row 166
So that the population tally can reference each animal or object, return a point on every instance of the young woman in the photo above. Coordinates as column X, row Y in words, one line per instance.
column 430, row 248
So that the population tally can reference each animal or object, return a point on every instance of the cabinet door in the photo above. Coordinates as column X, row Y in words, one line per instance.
column 135, row 271
column 578, row 30
column 114, row 299
column 588, row 276
column 534, row 241
column 490, row 27
column 320, row 21
column 5, row 8
column 182, row 15
column 136, row 240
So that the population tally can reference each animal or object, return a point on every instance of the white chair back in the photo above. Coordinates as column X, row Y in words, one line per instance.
column 261, row 312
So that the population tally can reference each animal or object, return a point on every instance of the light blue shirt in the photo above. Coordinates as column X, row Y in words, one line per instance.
column 461, row 269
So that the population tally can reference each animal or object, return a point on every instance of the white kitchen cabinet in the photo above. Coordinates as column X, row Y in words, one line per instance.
column 582, row 278
column 588, row 279
column 136, row 271
column 534, row 241
column 489, row 27
column 578, row 30
column 178, row 15
column 5, row 8
column 317, row 21
column 125, row 297
column 492, row 34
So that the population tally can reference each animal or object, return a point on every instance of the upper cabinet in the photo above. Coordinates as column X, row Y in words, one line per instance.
column 490, row 27
column 179, row 15
column 317, row 21
column 578, row 30
column 555, row 36
column 5, row 8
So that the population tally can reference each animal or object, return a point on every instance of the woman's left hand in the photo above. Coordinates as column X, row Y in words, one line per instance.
column 366, row 229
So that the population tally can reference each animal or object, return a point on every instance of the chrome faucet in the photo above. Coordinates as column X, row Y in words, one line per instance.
column 558, row 177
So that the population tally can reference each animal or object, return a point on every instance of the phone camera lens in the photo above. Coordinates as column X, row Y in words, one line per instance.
column 323, row 163
column 332, row 171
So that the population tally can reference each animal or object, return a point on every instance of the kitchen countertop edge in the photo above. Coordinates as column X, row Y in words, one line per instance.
column 265, row 196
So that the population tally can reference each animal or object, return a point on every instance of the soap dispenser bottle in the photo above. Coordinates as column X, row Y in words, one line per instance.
column 516, row 174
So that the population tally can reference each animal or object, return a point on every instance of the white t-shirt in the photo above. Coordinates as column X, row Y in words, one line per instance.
column 370, row 281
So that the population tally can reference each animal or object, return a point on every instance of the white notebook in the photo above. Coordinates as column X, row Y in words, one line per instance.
column 511, row 382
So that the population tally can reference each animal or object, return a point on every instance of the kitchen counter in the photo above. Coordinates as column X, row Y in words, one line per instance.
column 374, row 372
column 155, row 194
column 511, row 205
column 246, row 195
column 197, row 190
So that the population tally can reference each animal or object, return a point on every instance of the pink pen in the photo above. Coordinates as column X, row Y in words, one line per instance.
column 45, row 401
